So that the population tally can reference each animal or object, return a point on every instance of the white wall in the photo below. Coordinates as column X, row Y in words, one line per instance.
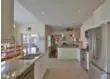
column 48, row 32
column 76, row 32
column 101, row 15
column 7, row 19
column 23, row 19
column 35, row 28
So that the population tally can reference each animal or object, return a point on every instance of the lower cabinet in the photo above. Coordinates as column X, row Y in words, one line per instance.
column 41, row 66
column 28, row 74
column 37, row 70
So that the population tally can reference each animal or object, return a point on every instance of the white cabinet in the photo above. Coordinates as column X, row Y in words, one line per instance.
column 41, row 66
column 37, row 70
column 44, row 62
column 78, row 54
column 67, row 53
column 28, row 74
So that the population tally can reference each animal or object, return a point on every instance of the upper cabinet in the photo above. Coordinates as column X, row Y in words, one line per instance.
column 7, row 19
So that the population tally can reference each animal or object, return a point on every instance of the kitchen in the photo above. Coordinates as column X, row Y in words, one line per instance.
column 66, row 41
column 98, row 20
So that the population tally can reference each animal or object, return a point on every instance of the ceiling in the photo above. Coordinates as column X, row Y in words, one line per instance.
column 22, row 15
column 63, row 13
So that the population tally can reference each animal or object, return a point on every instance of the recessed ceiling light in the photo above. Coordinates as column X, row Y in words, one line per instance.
column 79, row 11
column 14, row 26
column 74, row 21
column 43, row 13
column 30, row 25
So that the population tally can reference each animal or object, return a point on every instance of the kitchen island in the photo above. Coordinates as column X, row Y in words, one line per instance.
column 68, row 52
column 25, row 69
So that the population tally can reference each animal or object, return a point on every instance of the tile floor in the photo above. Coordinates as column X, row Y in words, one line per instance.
column 65, row 69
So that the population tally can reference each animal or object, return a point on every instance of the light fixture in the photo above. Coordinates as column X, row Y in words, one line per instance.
column 62, row 35
column 79, row 11
column 72, row 35
column 43, row 13
column 29, row 28
column 30, row 25
column 14, row 25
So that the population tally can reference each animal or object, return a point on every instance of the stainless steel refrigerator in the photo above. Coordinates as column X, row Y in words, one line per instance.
column 99, row 52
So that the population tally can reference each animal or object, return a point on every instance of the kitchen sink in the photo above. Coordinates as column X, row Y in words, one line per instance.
column 29, row 57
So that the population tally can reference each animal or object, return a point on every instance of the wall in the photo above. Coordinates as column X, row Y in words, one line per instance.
column 24, row 19
column 48, row 32
column 7, row 19
column 76, row 32
column 99, row 16
column 16, row 32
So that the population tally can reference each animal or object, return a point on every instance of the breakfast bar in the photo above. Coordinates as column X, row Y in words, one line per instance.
column 67, row 52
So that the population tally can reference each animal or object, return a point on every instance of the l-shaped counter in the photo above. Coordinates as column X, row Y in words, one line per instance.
column 20, row 68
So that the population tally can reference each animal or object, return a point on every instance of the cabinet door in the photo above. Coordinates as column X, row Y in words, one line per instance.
column 45, row 63
column 30, row 75
column 41, row 66
column 37, row 69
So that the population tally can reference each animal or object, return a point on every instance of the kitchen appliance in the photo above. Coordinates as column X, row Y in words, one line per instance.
column 84, row 59
column 99, row 52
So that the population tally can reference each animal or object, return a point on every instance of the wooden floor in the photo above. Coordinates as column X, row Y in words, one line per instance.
column 65, row 69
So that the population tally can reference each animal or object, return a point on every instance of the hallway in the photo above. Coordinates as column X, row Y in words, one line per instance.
column 65, row 69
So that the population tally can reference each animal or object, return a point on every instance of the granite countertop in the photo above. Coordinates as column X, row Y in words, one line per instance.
column 67, row 47
column 86, row 50
column 18, row 66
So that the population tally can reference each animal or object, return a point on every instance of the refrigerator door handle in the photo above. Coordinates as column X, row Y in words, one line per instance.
column 93, row 46
column 99, row 70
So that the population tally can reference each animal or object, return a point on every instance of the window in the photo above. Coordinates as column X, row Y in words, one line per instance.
column 30, row 42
